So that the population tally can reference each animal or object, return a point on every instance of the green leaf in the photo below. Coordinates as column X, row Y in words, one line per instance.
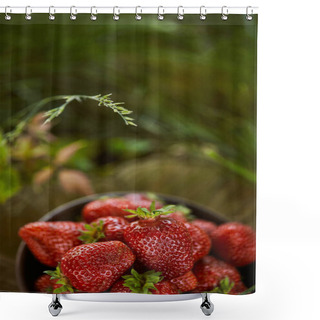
column 131, row 216
column 55, row 274
column 153, row 206
column 142, row 283
column 116, row 107
column 54, row 113
column 61, row 279
column 131, row 211
column 224, row 287
column 64, row 288
column 9, row 177
column 231, row 165
column 131, row 123
column 50, row 273
column 9, row 182
column 168, row 208
column 145, row 213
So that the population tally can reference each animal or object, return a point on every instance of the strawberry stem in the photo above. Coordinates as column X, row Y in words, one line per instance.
column 61, row 279
column 145, row 213
column 142, row 283
column 93, row 233
column 225, row 286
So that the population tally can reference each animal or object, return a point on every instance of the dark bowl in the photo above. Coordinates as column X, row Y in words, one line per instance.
column 28, row 269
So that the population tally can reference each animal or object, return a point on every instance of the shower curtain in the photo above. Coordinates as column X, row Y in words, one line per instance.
column 128, row 154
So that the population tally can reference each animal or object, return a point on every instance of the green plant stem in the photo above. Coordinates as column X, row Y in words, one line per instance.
column 231, row 165
column 55, row 112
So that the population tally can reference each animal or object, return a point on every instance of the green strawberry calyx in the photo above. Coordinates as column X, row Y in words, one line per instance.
column 93, row 233
column 225, row 286
column 142, row 283
column 61, row 279
column 145, row 213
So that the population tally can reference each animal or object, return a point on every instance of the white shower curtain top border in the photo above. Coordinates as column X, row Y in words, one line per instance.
column 201, row 10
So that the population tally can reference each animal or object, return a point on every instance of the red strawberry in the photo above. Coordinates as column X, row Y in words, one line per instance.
column 136, row 196
column 234, row 243
column 59, row 283
column 113, row 228
column 201, row 242
column 139, row 267
column 94, row 267
column 238, row 288
column 185, row 283
column 44, row 284
column 105, row 207
column 179, row 216
column 205, row 225
column 118, row 286
column 112, row 207
column 144, row 199
column 104, row 229
column 148, row 282
column 49, row 241
column 160, row 243
column 165, row 287
column 210, row 271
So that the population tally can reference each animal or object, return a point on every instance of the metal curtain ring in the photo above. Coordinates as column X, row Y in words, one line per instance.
column 93, row 15
column 224, row 13
column 180, row 13
column 28, row 13
column 7, row 10
column 138, row 15
column 116, row 15
column 249, row 14
column 160, row 15
column 52, row 11
column 73, row 13
column 203, row 13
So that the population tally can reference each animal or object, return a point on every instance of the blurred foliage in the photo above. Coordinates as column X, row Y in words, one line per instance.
column 30, row 158
column 24, row 117
column 26, row 146
column 185, row 80
column 9, row 177
column 128, row 148
column 190, row 84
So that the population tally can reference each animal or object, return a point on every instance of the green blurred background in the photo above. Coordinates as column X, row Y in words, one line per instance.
column 191, row 85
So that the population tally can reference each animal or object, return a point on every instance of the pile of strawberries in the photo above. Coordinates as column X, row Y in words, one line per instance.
column 136, row 244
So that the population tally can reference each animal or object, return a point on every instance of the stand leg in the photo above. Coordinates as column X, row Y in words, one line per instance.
column 55, row 306
column 206, row 305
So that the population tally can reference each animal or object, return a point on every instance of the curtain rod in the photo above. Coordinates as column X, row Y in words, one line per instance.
column 160, row 10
